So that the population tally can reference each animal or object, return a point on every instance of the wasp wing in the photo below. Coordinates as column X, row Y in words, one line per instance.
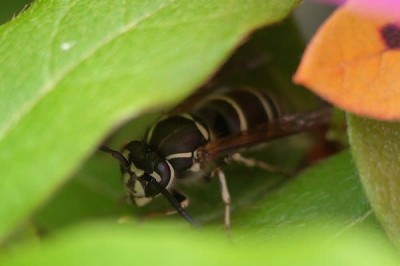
column 286, row 125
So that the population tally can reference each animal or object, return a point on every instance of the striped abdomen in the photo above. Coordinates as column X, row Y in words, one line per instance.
column 236, row 111
column 177, row 137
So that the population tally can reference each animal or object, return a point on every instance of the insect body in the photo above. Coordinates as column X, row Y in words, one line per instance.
column 192, row 144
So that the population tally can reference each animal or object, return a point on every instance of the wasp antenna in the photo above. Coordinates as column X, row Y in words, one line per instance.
column 173, row 202
column 117, row 155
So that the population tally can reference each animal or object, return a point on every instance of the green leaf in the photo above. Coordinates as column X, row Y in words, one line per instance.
column 73, row 69
column 94, row 193
column 330, row 191
column 106, row 244
column 376, row 148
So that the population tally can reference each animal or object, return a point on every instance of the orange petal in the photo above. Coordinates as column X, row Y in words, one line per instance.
column 354, row 62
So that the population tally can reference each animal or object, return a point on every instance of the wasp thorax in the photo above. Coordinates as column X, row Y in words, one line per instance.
column 145, row 163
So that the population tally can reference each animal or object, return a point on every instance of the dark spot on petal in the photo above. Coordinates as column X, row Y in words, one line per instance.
column 391, row 35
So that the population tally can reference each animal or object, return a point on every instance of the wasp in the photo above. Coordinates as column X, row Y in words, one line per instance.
column 200, row 135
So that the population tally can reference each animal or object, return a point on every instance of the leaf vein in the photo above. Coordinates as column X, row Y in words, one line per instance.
column 47, row 88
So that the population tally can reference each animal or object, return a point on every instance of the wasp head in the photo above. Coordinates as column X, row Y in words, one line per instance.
column 144, row 164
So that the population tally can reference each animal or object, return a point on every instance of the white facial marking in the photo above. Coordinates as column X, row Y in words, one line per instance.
column 126, row 178
column 156, row 176
column 126, row 153
column 138, row 190
column 142, row 201
column 138, row 172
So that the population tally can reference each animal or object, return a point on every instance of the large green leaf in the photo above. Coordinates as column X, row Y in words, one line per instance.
column 73, row 69
column 107, row 244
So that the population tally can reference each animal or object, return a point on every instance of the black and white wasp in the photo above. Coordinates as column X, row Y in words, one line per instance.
column 198, row 136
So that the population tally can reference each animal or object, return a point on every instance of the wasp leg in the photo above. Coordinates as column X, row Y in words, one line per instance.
column 225, row 196
column 251, row 162
column 181, row 198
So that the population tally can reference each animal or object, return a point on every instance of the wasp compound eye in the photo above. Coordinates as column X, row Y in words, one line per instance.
column 163, row 173
column 151, row 190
